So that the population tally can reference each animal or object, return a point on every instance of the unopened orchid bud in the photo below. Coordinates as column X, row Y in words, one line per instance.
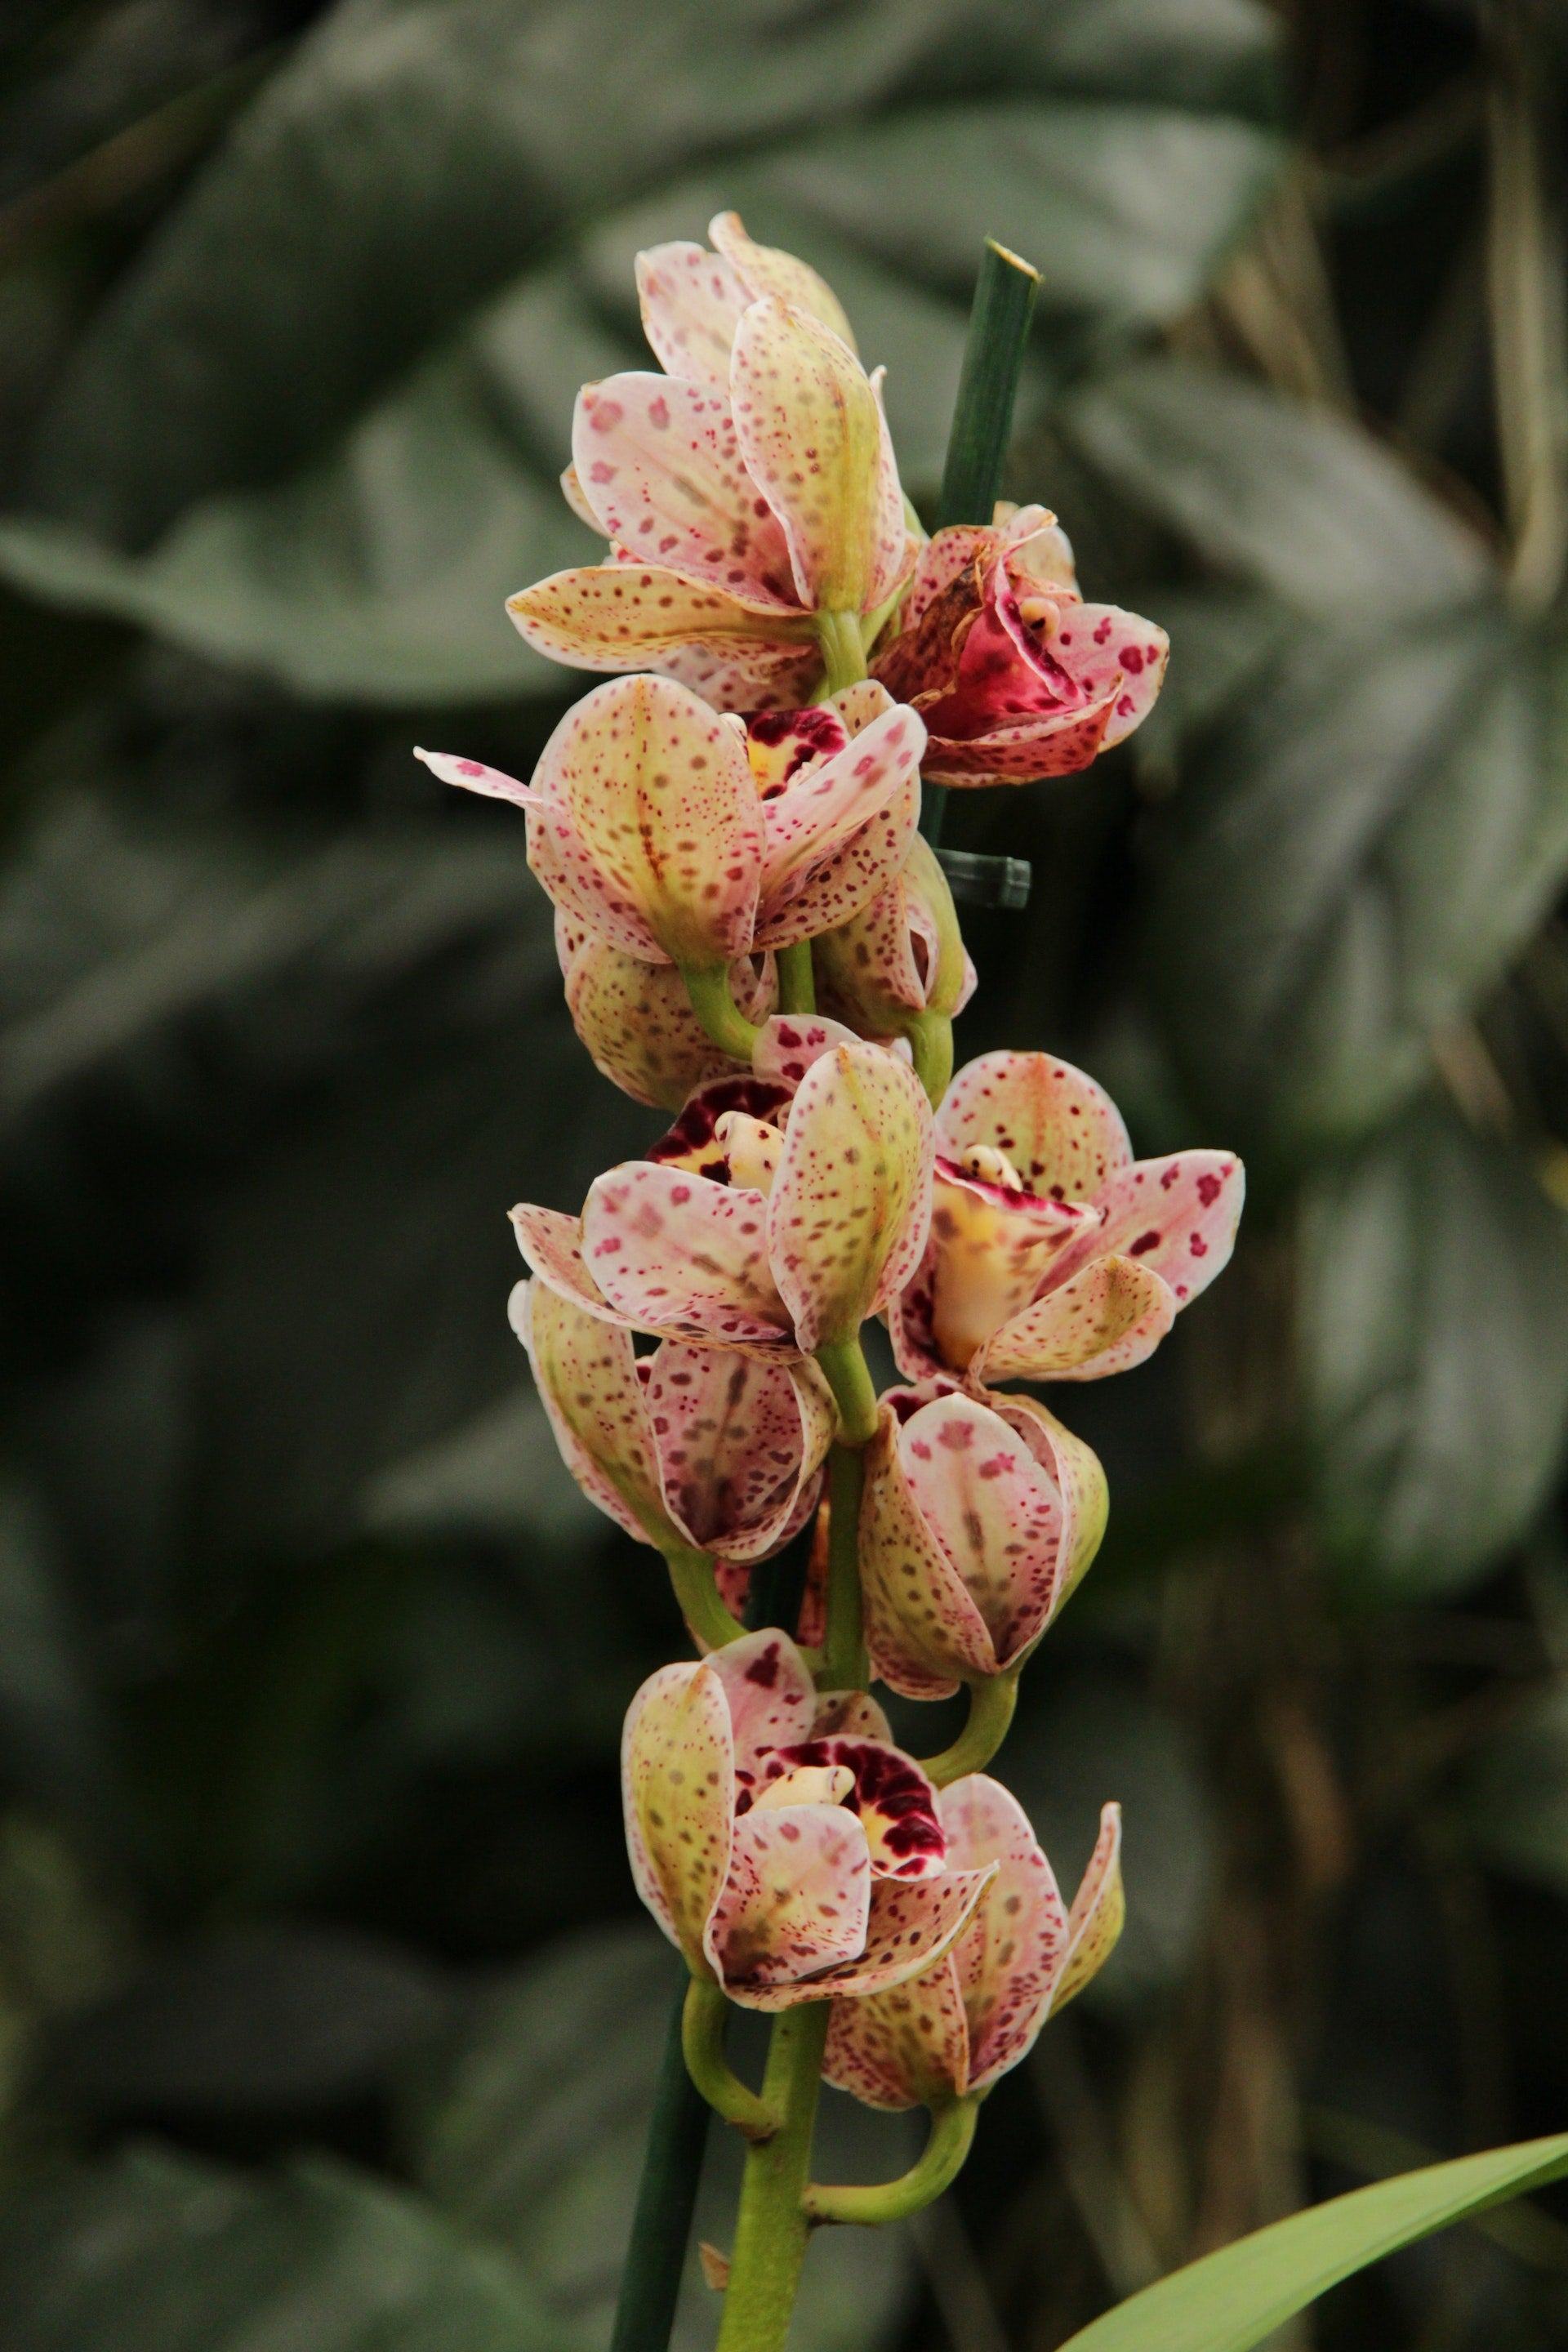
column 788, row 1863
column 899, row 957
column 980, row 1516
column 960, row 2025
column 1054, row 1254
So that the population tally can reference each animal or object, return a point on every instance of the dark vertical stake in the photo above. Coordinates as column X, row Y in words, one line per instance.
column 983, row 415
column 667, row 2198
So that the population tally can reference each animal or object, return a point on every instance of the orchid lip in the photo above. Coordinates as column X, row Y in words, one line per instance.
column 1018, row 1198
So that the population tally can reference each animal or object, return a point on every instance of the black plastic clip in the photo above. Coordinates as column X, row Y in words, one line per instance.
column 979, row 881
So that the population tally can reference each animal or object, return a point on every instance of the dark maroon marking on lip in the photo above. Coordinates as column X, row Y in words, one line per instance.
column 886, row 1783
column 759, row 1098
column 1144, row 1242
column 764, row 1669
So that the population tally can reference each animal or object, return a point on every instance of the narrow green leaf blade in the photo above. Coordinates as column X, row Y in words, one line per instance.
column 1233, row 2299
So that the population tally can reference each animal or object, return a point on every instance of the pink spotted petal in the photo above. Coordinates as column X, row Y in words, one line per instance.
column 848, row 1211
column 571, row 491
column 923, row 1629
column 633, row 616
column 1027, row 753
column 1109, row 651
column 905, row 2048
column 1098, row 1911
column 736, row 1441
column 819, row 807
column 578, row 887
column 895, row 1801
column 796, row 1901
column 791, row 1042
column 814, row 439
column 772, row 1701
column 766, row 270
column 674, row 1252
column 1075, row 1469
column 660, row 465
column 910, row 1321
column 851, row 877
column 1106, row 1319
column 912, row 1925
column 1177, row 1216
column 586, row 1376
column 1061, row 1131
column 855, row 1713
column 657, row 788
column 635, row 1018
column 943, row 560
column 1007, row 1960
column 473, row 776
column 678, row 1795
column 551, row 1244
column 691, row 304
column 995, row 1514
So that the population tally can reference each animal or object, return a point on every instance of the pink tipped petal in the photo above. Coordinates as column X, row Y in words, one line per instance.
column 1099, row 1910
column 633, row 616
column 473, row 776
column 770, row 1699
column 796, row 1901
column 847, row 1214
column 854, row 1714
column 733, row 674
column 912, row 1925
column 1023, row 754
column 1106, row 1319
column 1133, row 651
column 736, row 1441
column 677, row 1787
column 586, row 1376
column 1177, row 1216
column 995, row 1513
column 922, row 1626
column 791, row 1042
column 766, row 270
column 904, row 2048
column 691, row 304
column 1061, row 1131
column 1008, row 1960
column 677, row 1252
column 819, row 808
column 657, row 791
column 552, row 1246
column 661, row 467
column 1077, row 1473
column 812, row 437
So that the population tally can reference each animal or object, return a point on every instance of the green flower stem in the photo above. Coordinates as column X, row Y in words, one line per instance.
column 845, row 1369
column 940, row 2161
column 991, row 1706
column 709, row 989
column 842, row 650
column 772, row 2228
column 704, row 2018
column 798, row 988
column 931, row 1043
column 691, row 1574
column 666, row 2198
column 843, row 1661
column 994, row 350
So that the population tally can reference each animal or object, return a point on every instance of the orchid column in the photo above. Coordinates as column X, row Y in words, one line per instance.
column 755, row 938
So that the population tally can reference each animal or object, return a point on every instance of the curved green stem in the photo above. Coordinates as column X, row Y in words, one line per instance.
column 842, row 650
column 844, row 1366
column 939, row 2163
column 691, row 1574
column 798, row 988
column 931, row 1044
column 703, row 2024
column 772, row 2228
column 991, row 1706
column 709, row 989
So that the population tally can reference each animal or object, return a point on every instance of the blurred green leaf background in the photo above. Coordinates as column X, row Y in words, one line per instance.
column 328, row 2022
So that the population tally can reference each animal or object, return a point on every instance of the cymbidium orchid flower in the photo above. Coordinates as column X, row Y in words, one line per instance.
column 980, row 1516
column 789, row 1862
column 750, row 497
column 900, row 956
column 793, row 1238
column 1013, row 675
column 674, row 835
column 688, row 1449
column 1054, row 1254
column 636, row 1019
column 961, row 2026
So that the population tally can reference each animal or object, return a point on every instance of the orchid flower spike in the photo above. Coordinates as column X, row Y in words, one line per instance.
column 1014, row 675
column 962, row 2024
column 1054, row 1254
column 750, row 497
column 786, row 1861
column 688, row 1449
column 980, row 1516
column 677, row 837
column 810, row 1213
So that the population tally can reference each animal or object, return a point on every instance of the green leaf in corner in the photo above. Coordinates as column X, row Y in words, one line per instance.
column 1233, row 2299
column 1433, row 1315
